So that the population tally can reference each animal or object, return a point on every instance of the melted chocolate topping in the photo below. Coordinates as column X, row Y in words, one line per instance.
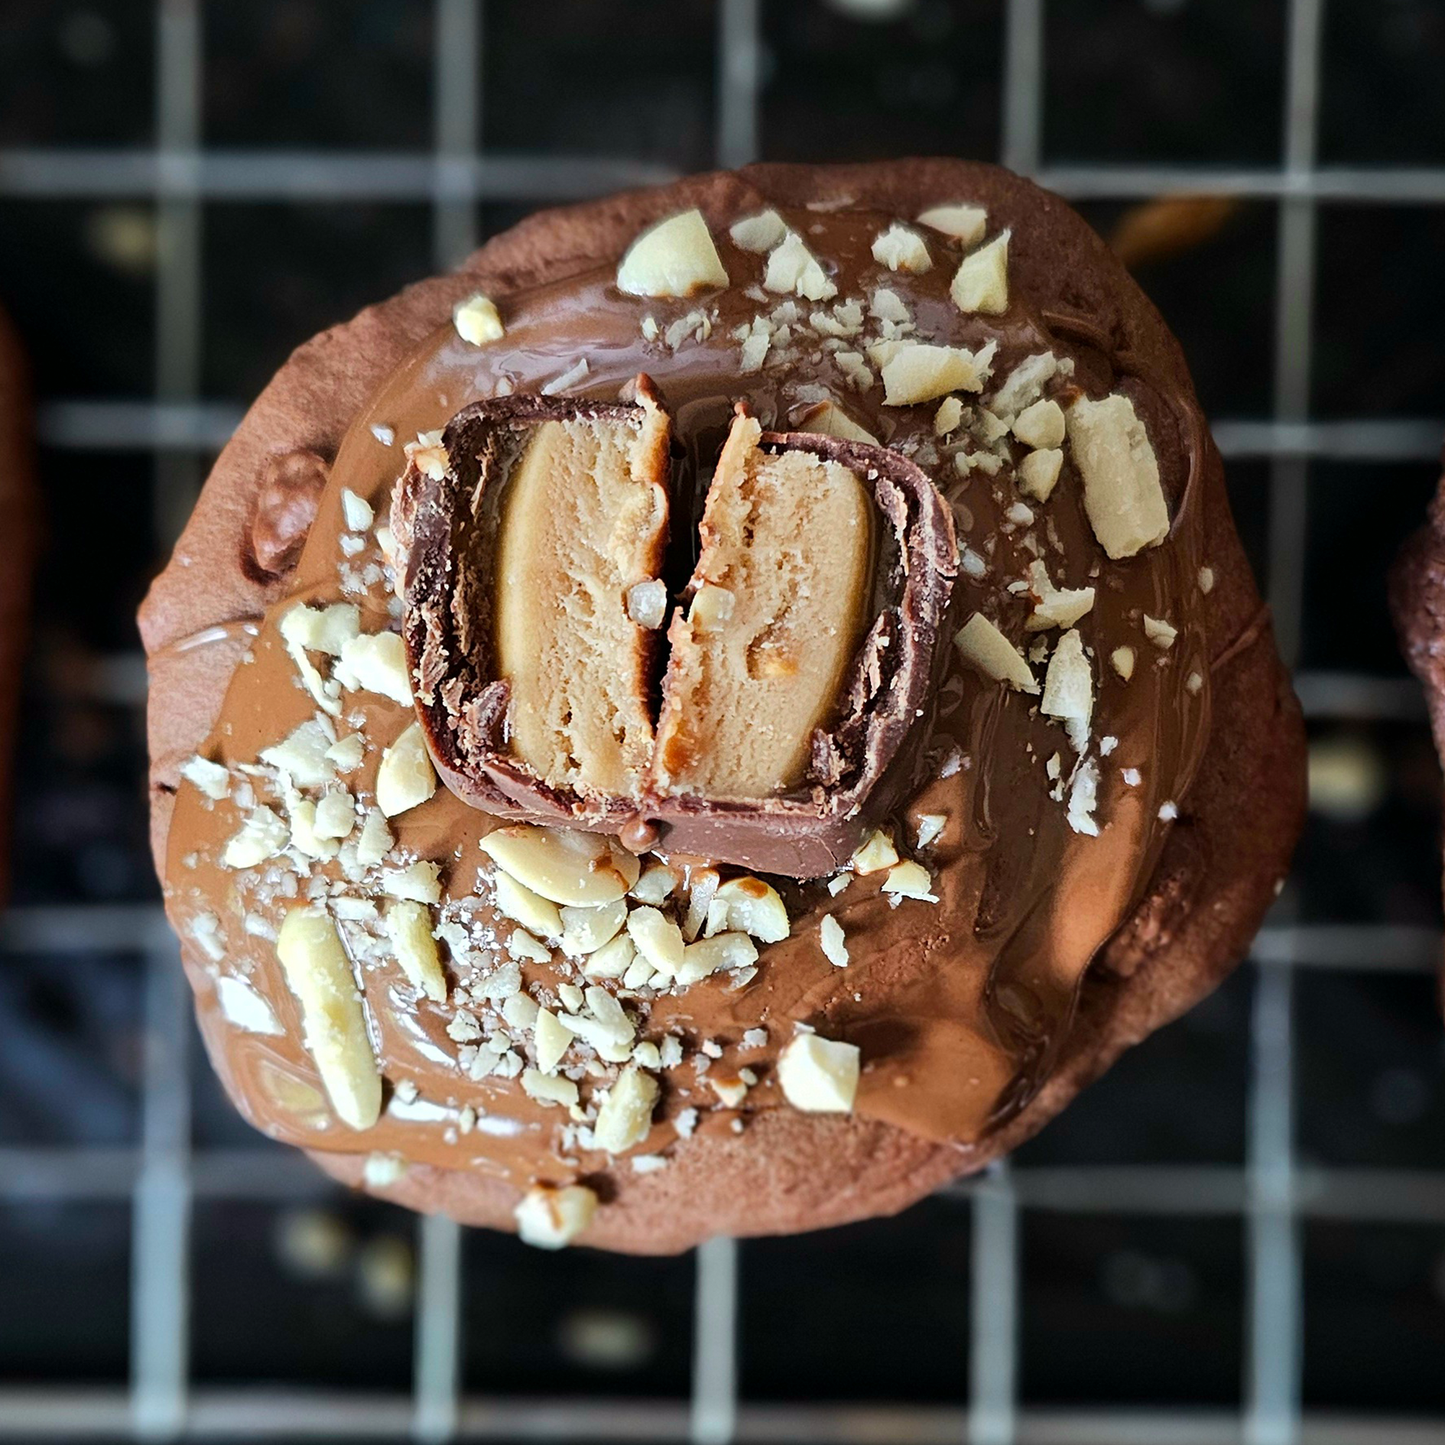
column 958, row 1006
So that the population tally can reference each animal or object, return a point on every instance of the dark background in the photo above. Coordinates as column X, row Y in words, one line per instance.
column 1246, row 1216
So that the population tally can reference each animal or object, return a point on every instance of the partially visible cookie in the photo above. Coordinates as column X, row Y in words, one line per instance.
column 1417, row 601
column 17, row 556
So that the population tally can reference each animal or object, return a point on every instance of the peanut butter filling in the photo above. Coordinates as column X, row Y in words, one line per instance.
column 583, row 521
column 758, row 660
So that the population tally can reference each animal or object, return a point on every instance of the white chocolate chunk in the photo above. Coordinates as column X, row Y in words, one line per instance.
column 1056, row 607
column 1122, row 495
column 1160, row 632
column 1083, row 797
column 730, row 1092
column 205, row 930
column 405, row 777
column 585, row 930
column 792, row 269
column 431, row 460
column 354, row 910
column 319, row 974
column 717, row 918
column 477, row 320
column 563, row 864
column 212, row 779
column 647, row 603
column 305, row 838
column 375, row 841
column 575, row 375
column 625, row 1118
column 986, row 649
column 263, row 835
column 335, row 814
column 918, row 371
column 1069, row 684
column 610, row 1015
column 381, row 1170
column 356, row 511
column 1038, row 473
column 656, row 885
column 520, row 1011
column 551, row 1218
column 981, row 281
column 874, row 854
column 521, row 944
column 325, row 629
column 408, row 925
column 910, row 880
column 244, row 1008
column 948, row 416
column 613, row 959
column 887, row 305
column 818, row 1075
column 346, row 754
column 676, row 257
column 718, row 954
column 711, row 608
column 518, row 902
column 419, row 881
column 703, row 884
column 758, row 233
column 1206, row 580
column 930, row 826
column 1040, row 425
column 657, row 938
column 991, row 427
column 1122, row 659
column 754, row 907
column 832, row 942
column 302, row 755
column 856, row 372
column 638, row 973
column 1025, row 384
column 965, row 223
column 901, row 249
column 376, row 662
column 550, row 1040
column 756, row 344
column 548, row 1088
column 845, row 319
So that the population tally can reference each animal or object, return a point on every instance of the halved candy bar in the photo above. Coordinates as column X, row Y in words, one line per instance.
column 804, row 655
column 796, row 668
column 519, row 547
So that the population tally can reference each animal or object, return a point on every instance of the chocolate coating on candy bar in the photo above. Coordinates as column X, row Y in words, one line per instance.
column 470, row 563
column 851, row 775
column 454, row 525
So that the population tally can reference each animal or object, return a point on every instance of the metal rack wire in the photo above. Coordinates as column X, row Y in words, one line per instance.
column 164, row 1176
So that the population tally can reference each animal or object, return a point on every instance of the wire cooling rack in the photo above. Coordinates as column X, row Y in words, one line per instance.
column 1277, row 1277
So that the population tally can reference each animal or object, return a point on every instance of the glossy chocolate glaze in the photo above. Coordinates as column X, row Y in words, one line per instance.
column 959, row 1006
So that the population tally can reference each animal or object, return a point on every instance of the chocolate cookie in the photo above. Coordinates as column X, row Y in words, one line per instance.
column 1417, row 601
column 17, row 546
column 957, row 612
